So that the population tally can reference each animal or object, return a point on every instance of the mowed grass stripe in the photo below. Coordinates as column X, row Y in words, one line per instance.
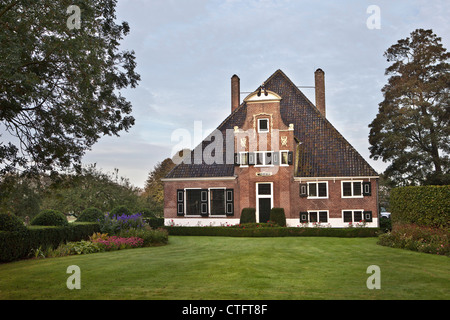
column 235, row 268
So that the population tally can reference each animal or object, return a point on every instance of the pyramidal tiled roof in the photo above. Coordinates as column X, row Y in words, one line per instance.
column 323, row 151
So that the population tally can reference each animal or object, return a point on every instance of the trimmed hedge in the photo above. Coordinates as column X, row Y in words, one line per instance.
column 16, row 245
column 248, row 215
column 277, row 215
column 49, row 218
column 154, row 222
column 10, row 222
column 90, row 215
column 120, row 210
column 273, row 232
column 425, row 205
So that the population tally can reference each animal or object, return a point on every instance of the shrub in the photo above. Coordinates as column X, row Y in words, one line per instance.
column 78, row 247
column 417, row 238
column 269, row 224
column 113, row 224
column 19, row 244
column 49, row 218
column 120, row 210
column 151, row 237
column 130, row 221
column 155, row 222
column 273, row 232
column 248, row 215
column 277, row 215
column 385, row 224
column 423, row 205
column 90, row 215
column 11, row 222
column 147, row 213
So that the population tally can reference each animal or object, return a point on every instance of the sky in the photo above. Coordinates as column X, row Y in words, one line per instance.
column 187, row 52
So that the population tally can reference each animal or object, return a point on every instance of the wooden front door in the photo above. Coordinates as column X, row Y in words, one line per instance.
column 264, row 201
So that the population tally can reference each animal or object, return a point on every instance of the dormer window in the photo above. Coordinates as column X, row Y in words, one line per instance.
column 263, row 125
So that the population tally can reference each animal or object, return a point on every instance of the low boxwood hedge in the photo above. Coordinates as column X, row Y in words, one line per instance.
column 16, row 245
column 273, row 232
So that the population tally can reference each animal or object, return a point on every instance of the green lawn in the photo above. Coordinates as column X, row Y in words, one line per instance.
column 236, row 269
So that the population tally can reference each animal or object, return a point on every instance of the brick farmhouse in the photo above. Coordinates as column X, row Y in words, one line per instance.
column 275, row 149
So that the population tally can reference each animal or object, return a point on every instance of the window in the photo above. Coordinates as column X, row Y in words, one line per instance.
column 284, row 157
column 353, row 216
column 263, row 125
column 205, row 202
column 314, row 216
column 193, row 201
column 352, row 189
column 217, row 201
column 317, row 190
column 264, row 158
column 243, row 158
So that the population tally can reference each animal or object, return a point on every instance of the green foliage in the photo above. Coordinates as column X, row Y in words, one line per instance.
column 155, row 222
column 49, row 218
column 20, row 195
column 61, row 87
column 147, row 213
column 154, row 189
column 10, row 222
column 251, row 225
column 77, row 247
column 422, row 205
column 412, row 127
column 272, row 232
column 91, row 215
column 417, row 238
column 91, row 188
column 119, row 210
column 151, row 237
column 16, row 245
column 248, row 215
column 277, row 215
column 385, row 224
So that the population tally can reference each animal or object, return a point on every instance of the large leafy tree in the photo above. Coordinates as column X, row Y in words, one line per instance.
column 154, row 188
column 412, row 127
column 59, row 84
column 91, row 188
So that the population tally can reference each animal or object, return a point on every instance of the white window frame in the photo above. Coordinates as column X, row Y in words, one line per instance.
column 351, row 184
column 281, row 158
column 317, row 189
column 318, row 216
column 264, row 158
column 353, row 215
column 224, row 200
column 268, row 125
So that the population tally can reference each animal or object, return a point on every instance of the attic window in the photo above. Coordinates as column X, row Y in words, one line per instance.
column 263, row 125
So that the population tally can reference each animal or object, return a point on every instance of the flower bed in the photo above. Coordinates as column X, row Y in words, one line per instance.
column 117, row 243
column 417, row 238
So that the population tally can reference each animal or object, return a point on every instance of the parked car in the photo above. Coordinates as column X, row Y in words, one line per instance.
column 384, row 213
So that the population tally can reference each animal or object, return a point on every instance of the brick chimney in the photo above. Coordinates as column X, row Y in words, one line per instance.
column 319, row 77
column 235, row 92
